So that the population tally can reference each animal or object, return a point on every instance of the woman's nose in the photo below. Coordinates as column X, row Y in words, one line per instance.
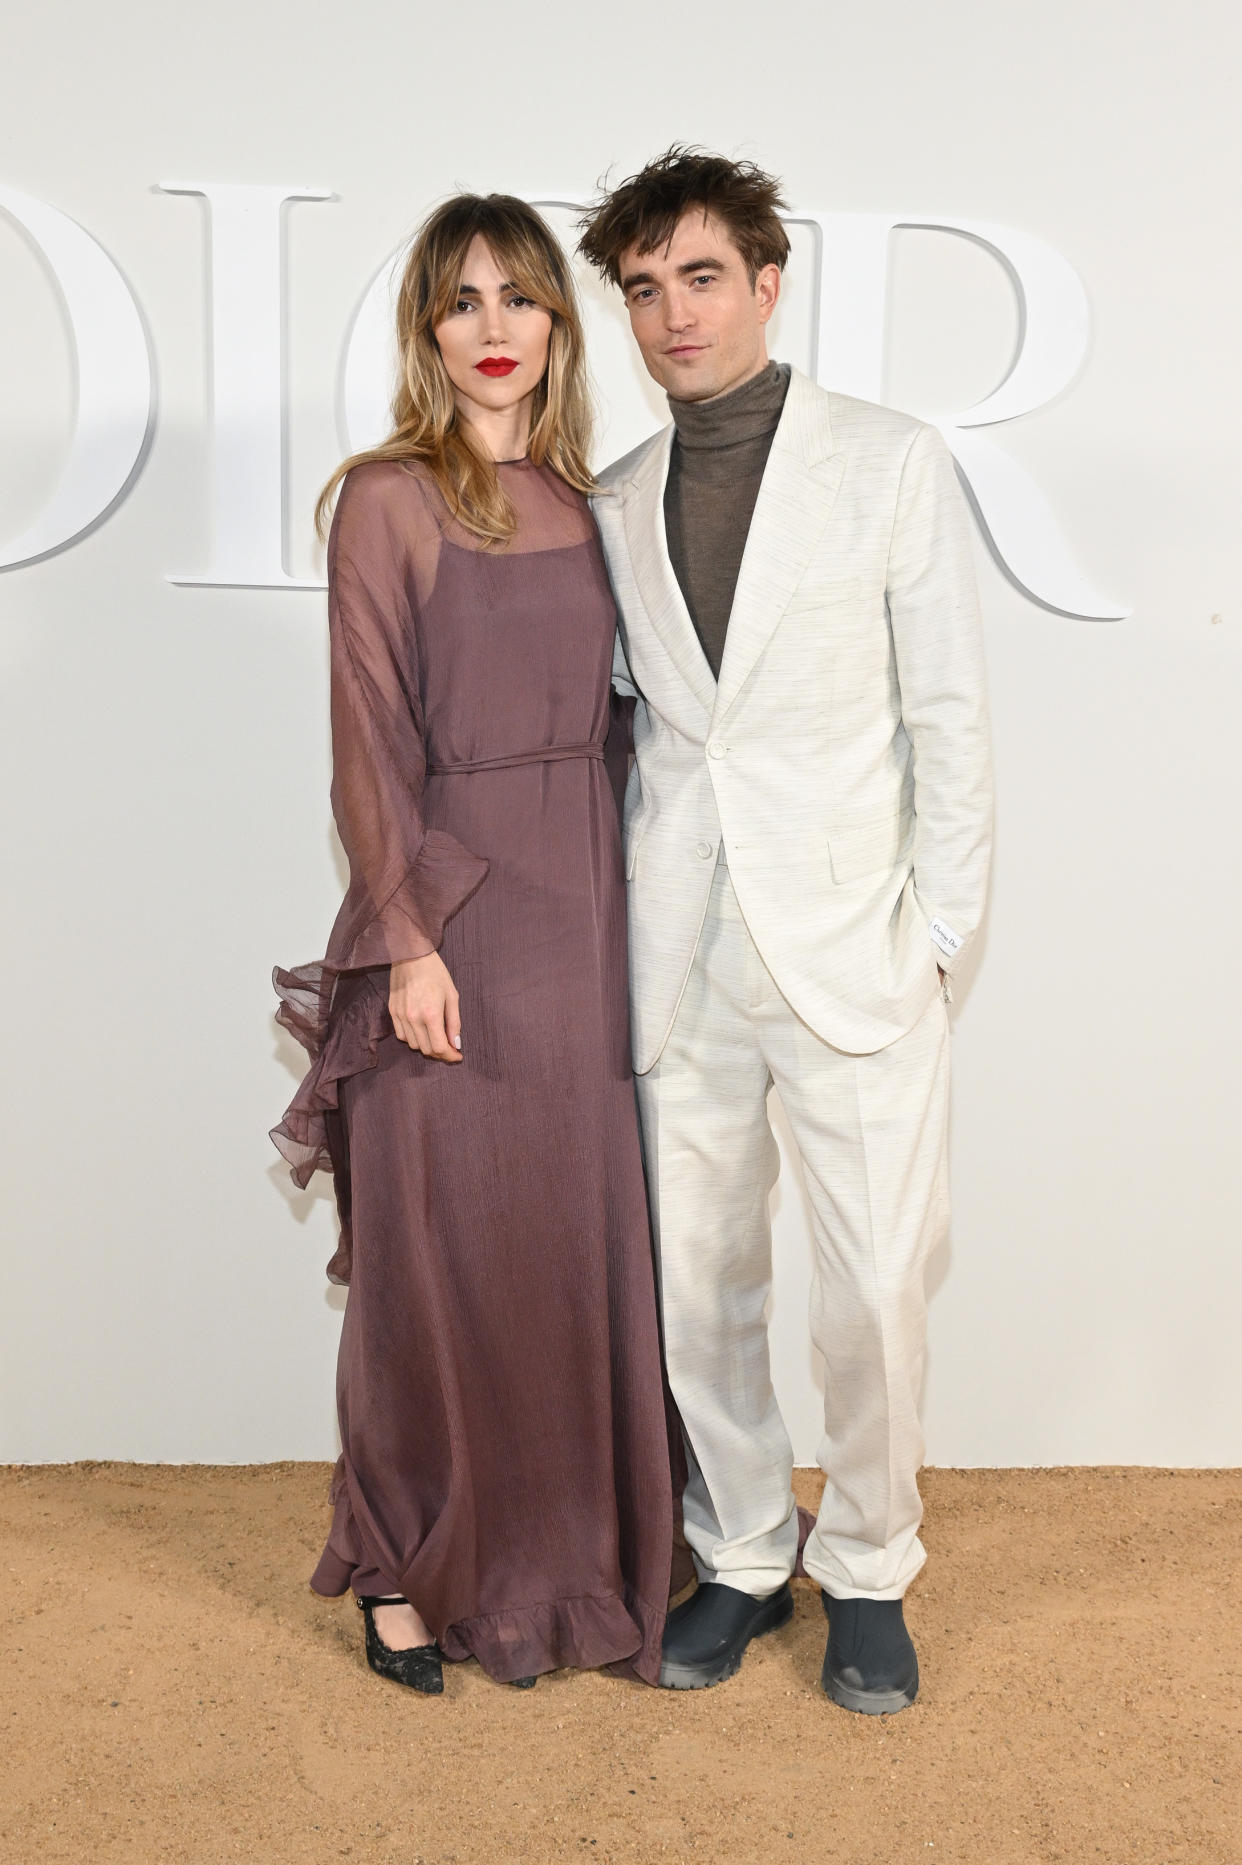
column 494, row 327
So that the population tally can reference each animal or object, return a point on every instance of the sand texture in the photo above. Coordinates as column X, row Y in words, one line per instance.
column 172, row 1691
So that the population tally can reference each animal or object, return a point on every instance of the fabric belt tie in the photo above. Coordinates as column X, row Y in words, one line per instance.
column 547, row 754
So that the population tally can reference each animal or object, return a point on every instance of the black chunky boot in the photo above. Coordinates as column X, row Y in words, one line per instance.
column 419, row 1667
column 870, row 1664
column 705, row 1637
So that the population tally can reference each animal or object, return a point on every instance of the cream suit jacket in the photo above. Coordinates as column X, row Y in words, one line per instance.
column 842, row 758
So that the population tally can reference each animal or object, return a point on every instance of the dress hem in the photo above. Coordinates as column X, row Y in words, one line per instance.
column 614, row 1631
column 614, row 1628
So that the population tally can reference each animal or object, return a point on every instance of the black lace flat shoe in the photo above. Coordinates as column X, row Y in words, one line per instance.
column 419, row 1667
column 705, row 1637
column 523, row 1683
column 870, row 1664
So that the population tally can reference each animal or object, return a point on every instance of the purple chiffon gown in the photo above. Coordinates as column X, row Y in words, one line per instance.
column 506, row 1461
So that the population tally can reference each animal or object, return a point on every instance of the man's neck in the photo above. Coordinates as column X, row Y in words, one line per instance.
column 756, row 369
column 745, row 413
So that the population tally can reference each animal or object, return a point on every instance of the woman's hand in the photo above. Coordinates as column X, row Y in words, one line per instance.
column 423, row 1005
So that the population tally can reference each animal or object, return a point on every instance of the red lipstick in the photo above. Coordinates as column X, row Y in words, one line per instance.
column 496, row 366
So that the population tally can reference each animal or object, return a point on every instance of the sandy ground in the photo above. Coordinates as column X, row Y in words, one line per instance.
column 172, row 1691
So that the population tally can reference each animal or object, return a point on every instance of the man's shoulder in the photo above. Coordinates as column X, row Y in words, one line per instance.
column 865, row 423
column 613, row 477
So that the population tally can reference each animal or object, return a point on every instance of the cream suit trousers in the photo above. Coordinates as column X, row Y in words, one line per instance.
column 871, row 1132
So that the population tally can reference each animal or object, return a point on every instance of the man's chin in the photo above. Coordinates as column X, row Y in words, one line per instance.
column 689, row 381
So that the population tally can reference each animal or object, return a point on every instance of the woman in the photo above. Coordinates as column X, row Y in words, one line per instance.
column 503, row 1490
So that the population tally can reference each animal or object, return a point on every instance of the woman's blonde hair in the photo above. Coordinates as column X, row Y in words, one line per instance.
column 425, row 423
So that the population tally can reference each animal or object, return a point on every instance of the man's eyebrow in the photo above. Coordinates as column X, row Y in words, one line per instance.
column 683, row 271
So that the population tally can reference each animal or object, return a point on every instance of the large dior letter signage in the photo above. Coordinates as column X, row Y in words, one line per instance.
column 116, row 394
column 852, row 289
column 115, row 382
column 247, row 385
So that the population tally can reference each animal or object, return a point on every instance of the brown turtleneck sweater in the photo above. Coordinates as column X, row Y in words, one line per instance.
column 715, row 467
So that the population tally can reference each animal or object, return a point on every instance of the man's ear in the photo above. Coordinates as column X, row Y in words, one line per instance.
column 767, row 291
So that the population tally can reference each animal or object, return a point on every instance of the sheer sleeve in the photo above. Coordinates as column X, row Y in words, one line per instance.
column 405, row 880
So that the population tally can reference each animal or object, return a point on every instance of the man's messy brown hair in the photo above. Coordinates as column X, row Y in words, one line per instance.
column 642, row 212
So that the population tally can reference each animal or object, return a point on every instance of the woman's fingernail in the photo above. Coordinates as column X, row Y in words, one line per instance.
column 457, row 1042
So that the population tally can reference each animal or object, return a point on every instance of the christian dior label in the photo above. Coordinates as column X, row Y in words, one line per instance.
column 945, row 937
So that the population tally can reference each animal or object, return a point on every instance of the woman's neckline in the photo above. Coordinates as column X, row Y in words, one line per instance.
column 523, row 459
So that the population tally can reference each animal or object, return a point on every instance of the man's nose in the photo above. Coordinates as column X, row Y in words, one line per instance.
column 678, row 310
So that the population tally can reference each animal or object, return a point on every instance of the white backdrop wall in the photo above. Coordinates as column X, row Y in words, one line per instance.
column 167, row 830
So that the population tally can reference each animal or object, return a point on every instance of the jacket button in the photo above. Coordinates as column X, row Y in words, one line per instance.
column 704, row 849
column 716, row 749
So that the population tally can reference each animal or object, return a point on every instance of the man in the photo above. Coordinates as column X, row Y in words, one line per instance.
column 807, row 840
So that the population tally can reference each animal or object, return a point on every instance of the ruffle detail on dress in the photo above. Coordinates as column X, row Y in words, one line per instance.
column 595, row 1631
column 411, row 921
column 342, row 1041
column 616, row 1630
column 338, row 1008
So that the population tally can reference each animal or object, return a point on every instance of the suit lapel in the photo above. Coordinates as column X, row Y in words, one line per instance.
column 799, row 487
column 653, row 572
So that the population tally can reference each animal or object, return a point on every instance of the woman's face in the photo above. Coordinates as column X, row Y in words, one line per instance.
column 494, row 342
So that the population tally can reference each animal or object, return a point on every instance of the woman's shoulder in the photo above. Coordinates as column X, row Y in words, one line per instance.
column 552, row 513
column 383, row 483
column 560, row 488
column 389, row 501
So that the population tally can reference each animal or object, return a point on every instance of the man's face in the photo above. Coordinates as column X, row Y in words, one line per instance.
column 696, row 317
